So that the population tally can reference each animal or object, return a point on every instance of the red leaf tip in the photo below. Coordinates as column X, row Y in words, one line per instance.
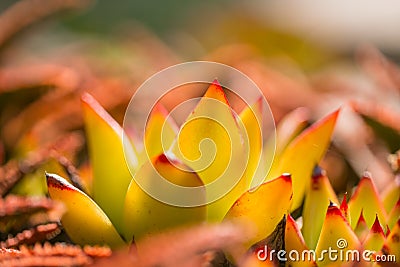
column 53, row 180
column 376, row 227
column 216, row 82
column 333, row 209
column 287, row 177
column 343, row 205
column 332, row 116
column 216, row 91
column 361, row 219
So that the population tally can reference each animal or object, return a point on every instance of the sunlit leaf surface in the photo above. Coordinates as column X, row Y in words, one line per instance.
column 145, row 215
column 84, row 221
column 160, row 132
column 336, row 234
column 294, row 241
column 111, row 175
column 277, row 193
column 317, row 199
column 211, row 144
column 366, row 199
column 303, row 153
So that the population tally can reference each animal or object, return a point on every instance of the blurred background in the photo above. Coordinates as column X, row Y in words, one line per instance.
column 316, row 56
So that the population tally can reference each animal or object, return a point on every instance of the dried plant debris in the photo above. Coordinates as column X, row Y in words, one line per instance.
column 193, row 246
column 37, row 234
column 72, row 172
column 59, row 254
column 18, row 213
column 14, row 170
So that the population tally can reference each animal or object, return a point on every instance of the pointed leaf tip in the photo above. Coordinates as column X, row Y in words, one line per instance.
column 303, row 153
column 216, row 82
column 84, row 221
column 333, row 209
column 376, row 227
column 366, row 175
column 92, row 104
column 343, row 205
column 55, row 181
column 366, row 198
column 287, row 177
column 361, row 219
column 216, row 91
column 107, row 152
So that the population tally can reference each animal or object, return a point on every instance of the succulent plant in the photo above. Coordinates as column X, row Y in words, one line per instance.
column 112, row 209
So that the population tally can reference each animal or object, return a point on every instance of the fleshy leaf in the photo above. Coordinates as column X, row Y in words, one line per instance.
column 375, row 238
column 392, row 244
column 303, row 153
column 210, row 142
column 366, row 198
column 294, row 241
column 34, row 184
column 361, row 229
column 263, row 208
column 144, row 215
column 344, row 208
column 251, row 117
column 317, row 199
column 84, row 221
column 111, row 176
column 290, row 127
column 272, row 243
column 394, row 215
column 391, row 194
column 160, row 131
column 336, row 234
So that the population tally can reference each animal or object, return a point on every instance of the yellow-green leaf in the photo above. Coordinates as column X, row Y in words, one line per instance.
column 289, row 127
column 394, row 215
column 391, row 194
column 392, row 243
column 336, row 234
column 210, row 142
column 376, row 238
column 145, row 215
column 303, row 153
column 294, row 241
column 34, row 183
column 317, row 199
column 251, row 117
column 160, row 131
column 361, row 229
column 366, row 199
column 84, row 221
column 111, row 176
column 263, row 208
